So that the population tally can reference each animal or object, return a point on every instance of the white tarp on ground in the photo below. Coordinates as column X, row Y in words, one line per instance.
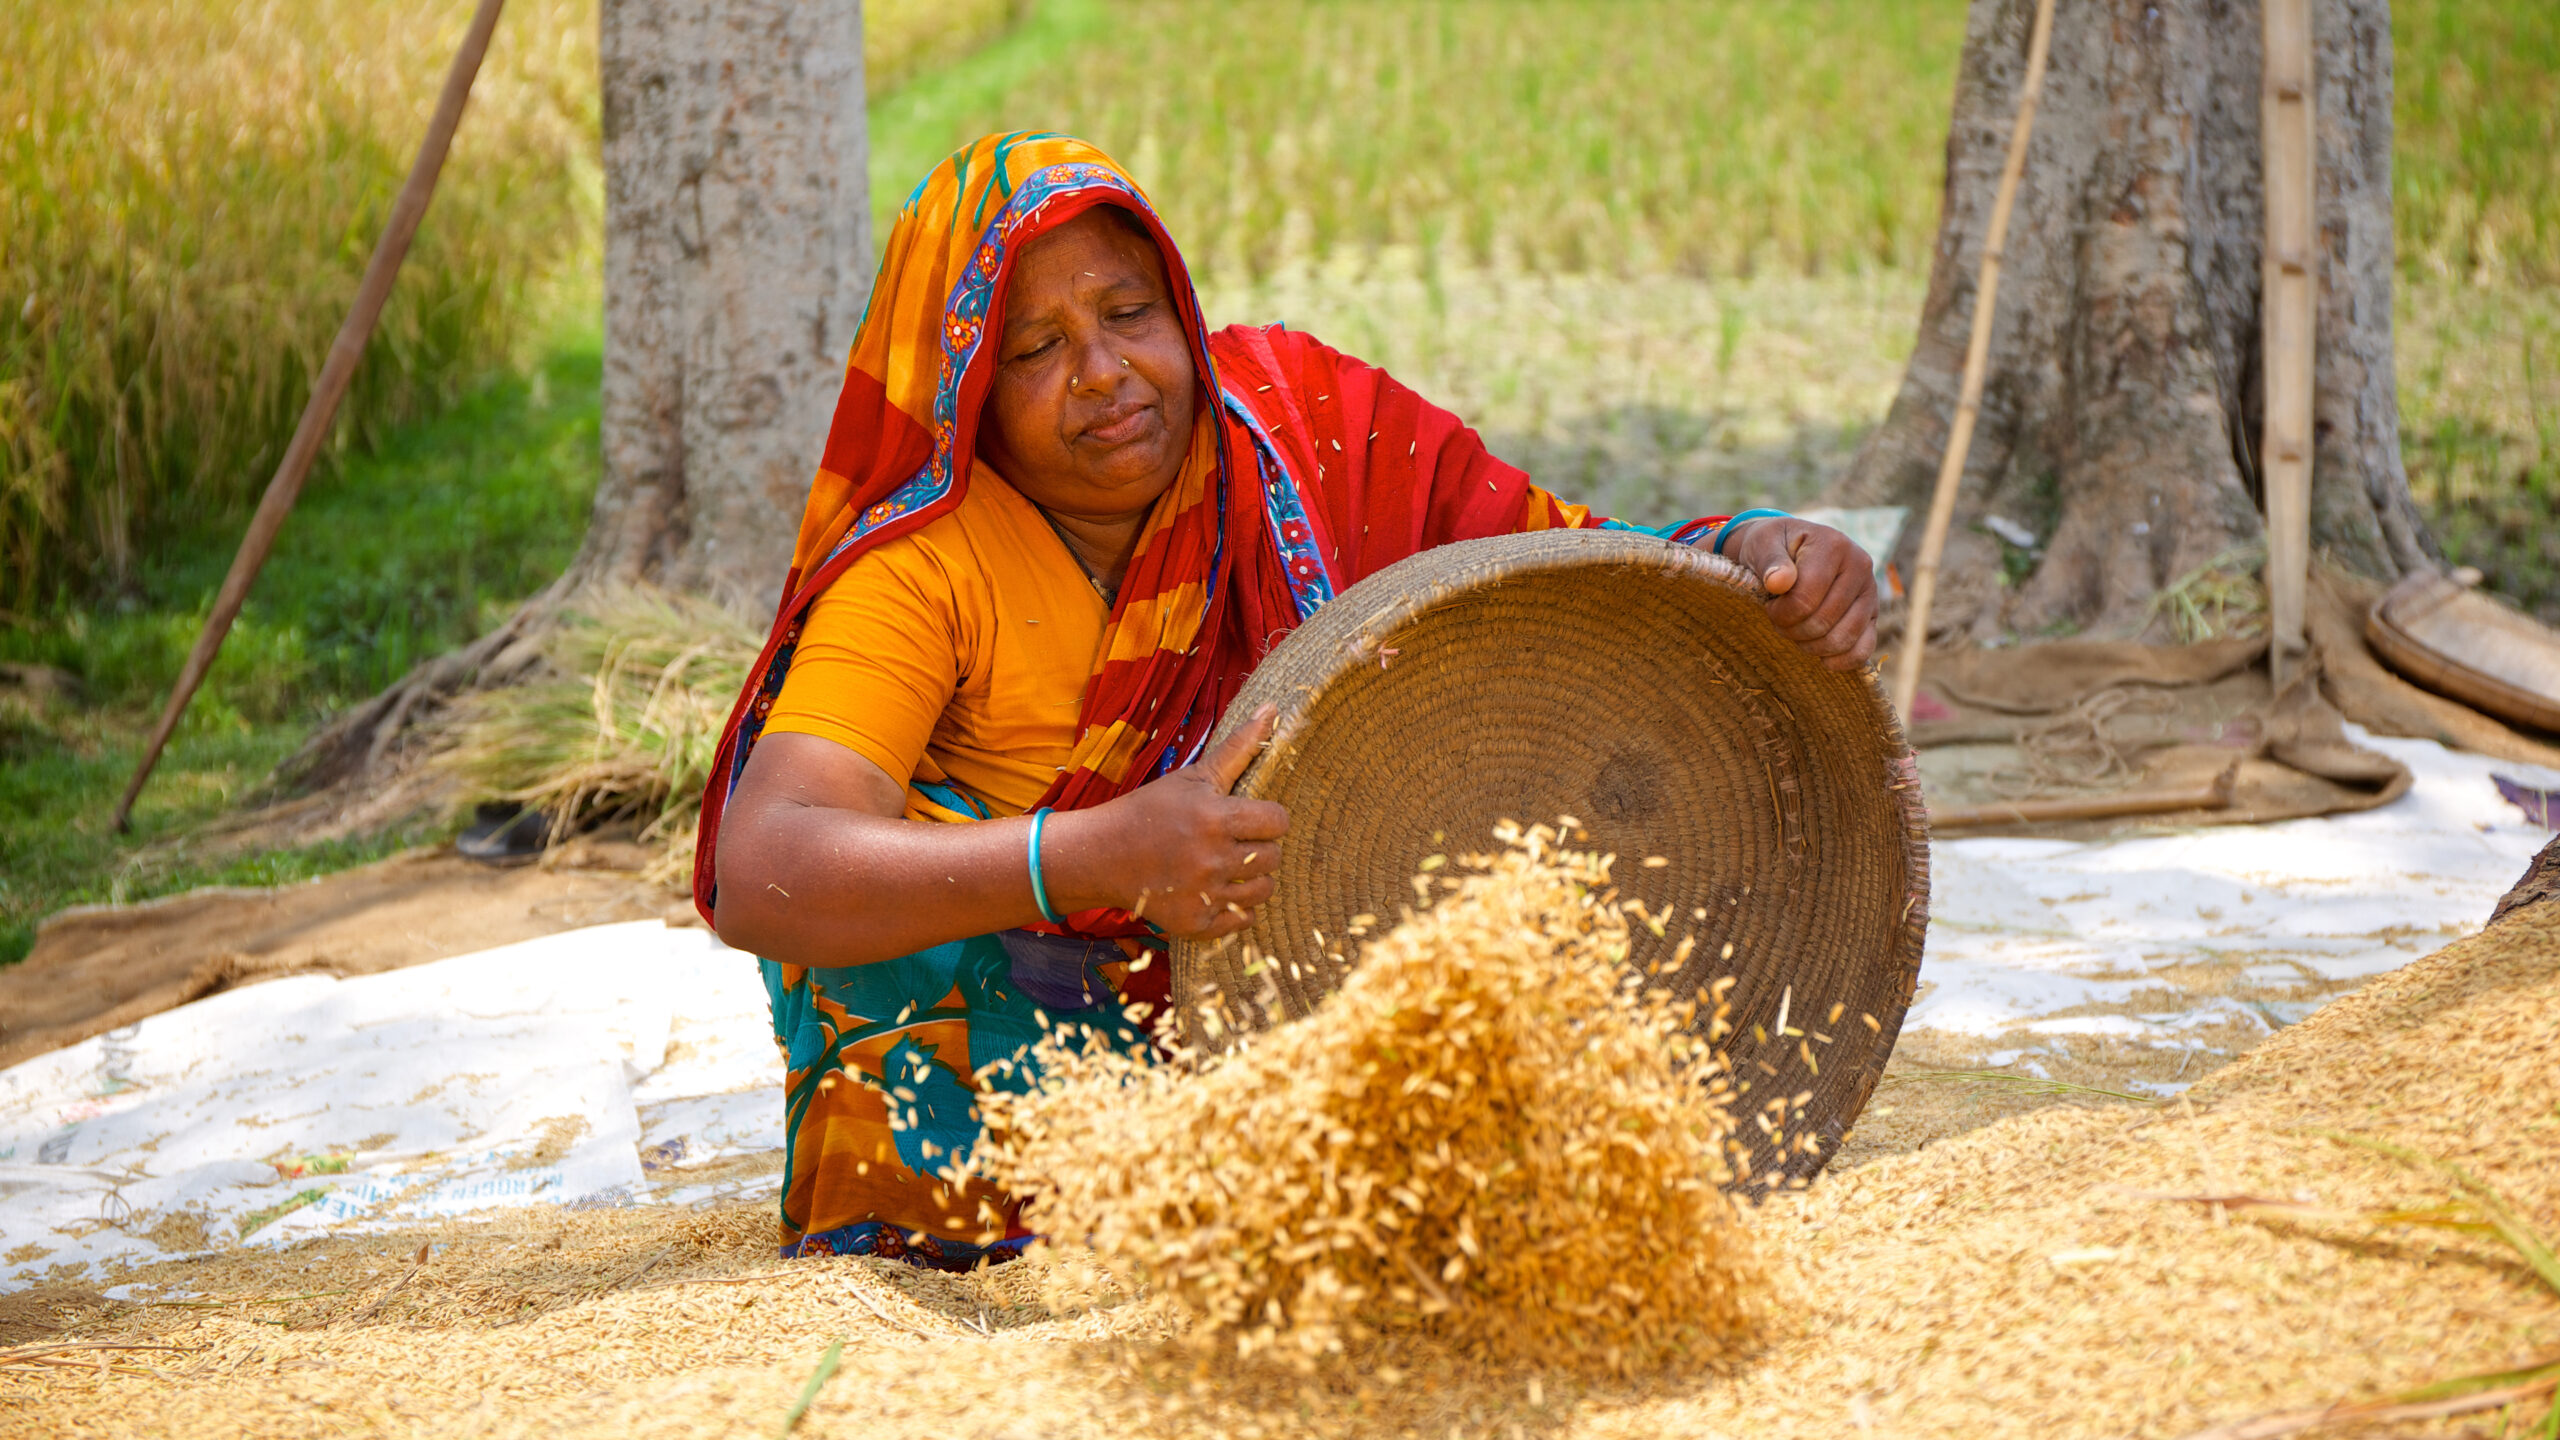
column 598, row 1066
column 2025, row 932
column 634, row 1064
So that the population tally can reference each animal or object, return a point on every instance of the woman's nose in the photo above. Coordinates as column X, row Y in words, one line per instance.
column 1098, row 365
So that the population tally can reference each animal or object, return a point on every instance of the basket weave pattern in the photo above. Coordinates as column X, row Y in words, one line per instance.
column 1638, row 687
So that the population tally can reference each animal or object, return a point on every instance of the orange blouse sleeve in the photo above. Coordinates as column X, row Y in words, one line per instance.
column 878, row 661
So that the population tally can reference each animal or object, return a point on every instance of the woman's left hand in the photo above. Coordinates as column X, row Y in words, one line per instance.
column 1822, row 587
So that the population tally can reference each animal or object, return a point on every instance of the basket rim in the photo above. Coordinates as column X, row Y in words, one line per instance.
column 1350, row 632
column 1400, row 594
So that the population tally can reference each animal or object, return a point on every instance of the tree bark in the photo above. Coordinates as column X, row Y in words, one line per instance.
column 2121, row 420
column 737, row 263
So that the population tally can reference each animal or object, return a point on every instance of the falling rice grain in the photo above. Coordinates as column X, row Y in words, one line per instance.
column 1489, row 1072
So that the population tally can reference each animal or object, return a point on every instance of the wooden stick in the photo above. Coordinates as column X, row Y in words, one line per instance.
column 335, row 374
column 2214, row 794
column 2288, row 318
column 1977, row 356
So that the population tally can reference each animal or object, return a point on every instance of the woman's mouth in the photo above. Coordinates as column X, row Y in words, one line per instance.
column 1119, row 425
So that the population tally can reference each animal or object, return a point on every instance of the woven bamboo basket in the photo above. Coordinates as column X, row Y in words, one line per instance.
column 2441, row 633
column 1637, row 687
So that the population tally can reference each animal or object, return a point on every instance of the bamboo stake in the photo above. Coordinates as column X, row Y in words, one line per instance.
column 2289, row 317
column 335, row 375
column 1977, row 355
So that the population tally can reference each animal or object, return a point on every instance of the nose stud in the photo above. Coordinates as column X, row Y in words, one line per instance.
column 1124, row 364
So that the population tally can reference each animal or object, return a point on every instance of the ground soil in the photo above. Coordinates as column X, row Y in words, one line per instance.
column 97, row 967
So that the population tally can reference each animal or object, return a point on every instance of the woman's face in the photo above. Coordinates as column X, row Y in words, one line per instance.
column 1094, row 393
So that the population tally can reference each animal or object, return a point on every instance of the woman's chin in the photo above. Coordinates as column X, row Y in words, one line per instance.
column 1099, row 493
column 1133, row 474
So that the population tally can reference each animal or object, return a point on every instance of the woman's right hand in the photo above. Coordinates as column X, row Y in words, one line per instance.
column 1179, row 851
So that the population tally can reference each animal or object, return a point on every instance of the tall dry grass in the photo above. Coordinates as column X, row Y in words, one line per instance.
column 189, row 190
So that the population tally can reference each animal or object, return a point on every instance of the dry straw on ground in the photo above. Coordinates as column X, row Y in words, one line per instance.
column 1488, row 1134
column 623, row 723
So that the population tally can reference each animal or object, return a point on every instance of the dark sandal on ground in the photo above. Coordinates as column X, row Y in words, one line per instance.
column 504, row 833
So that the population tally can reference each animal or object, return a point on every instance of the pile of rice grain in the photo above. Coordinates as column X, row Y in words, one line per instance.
column 1490, row 1134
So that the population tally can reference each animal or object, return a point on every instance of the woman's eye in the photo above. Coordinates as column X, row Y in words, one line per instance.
column 1036, row 351
column 1127, row 313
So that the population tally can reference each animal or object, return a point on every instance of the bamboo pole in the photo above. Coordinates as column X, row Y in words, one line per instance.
column 2288, row 317
column 1977, row 356
column 335, row 375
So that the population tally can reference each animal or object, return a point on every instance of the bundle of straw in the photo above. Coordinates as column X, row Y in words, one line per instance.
column 623, row 725
column 1489, row 1133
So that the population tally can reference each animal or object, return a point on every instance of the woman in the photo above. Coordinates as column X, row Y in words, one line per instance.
column 1056, row 526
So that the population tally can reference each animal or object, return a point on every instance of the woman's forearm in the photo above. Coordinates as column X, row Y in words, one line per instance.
column 818, row 886
column 817, row 865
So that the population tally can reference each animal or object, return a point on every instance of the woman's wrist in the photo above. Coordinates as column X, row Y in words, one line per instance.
column 1072, row 866
column 1732, row 529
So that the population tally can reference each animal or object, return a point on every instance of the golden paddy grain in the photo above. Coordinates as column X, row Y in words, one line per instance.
column 1489, row 1134
column 2017, row 1281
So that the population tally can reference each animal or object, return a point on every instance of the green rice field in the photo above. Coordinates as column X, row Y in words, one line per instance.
column 1624, row 135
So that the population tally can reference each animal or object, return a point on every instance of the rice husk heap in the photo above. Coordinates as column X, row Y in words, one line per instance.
column 1491, row 1133
column 2019, row 1281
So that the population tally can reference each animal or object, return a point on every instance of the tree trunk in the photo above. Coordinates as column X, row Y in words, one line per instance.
column 2121, row 419
column 737, row 263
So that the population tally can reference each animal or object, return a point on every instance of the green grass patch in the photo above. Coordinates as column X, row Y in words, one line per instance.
column 396, row 556
column 2479, row 367
column 1700, row 136
column 2476, row 138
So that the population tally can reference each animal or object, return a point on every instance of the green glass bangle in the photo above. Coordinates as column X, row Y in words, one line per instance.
column 1039, row 891
column 1727, row 528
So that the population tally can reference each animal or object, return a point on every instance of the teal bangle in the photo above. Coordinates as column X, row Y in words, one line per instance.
column 1039, row 891
column 1727, row 528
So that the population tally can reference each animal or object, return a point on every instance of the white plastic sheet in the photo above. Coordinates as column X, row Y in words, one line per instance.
column 2023, row 929
column 592, row 1067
